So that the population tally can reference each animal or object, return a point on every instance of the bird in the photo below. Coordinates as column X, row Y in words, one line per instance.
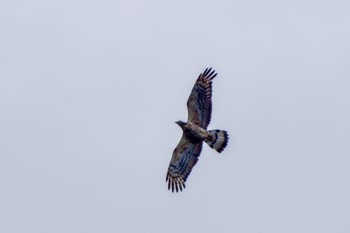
column 194, row 132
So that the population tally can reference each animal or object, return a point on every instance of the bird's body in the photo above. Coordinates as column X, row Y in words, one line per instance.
column 195, row 132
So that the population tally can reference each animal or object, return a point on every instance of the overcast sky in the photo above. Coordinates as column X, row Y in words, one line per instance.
column 90, row 91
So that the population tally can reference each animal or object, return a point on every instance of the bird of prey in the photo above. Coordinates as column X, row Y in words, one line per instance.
column 195, row 132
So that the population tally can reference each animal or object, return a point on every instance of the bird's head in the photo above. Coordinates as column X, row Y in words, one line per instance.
column 180, row 123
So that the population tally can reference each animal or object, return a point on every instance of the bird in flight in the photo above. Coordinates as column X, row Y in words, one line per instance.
column 194, row 132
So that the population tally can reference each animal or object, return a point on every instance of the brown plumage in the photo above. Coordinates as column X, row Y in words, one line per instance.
column 186, row 153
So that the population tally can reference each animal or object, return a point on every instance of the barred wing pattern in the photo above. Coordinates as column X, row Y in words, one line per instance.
column 185, row 156
column 199, row 102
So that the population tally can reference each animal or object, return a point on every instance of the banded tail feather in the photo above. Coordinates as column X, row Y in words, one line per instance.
column 218, row 141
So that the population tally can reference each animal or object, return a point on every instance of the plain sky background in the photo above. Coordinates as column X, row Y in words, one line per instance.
column 90, row 91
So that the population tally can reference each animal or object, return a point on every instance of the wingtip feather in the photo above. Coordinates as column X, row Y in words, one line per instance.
column 175, row 184
column 208, row 74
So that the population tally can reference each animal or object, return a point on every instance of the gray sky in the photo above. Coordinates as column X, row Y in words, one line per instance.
column 90, row 91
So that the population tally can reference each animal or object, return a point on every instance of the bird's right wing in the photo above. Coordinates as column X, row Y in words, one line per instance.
column 185, row 156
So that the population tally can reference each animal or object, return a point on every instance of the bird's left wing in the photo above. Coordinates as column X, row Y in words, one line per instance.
column 185, row 156
column 199, row 102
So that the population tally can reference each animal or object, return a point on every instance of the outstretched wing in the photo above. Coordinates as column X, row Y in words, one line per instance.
column 185, row 156
column 199, row 102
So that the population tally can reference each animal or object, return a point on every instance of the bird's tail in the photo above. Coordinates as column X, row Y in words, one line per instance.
column 217, row 140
